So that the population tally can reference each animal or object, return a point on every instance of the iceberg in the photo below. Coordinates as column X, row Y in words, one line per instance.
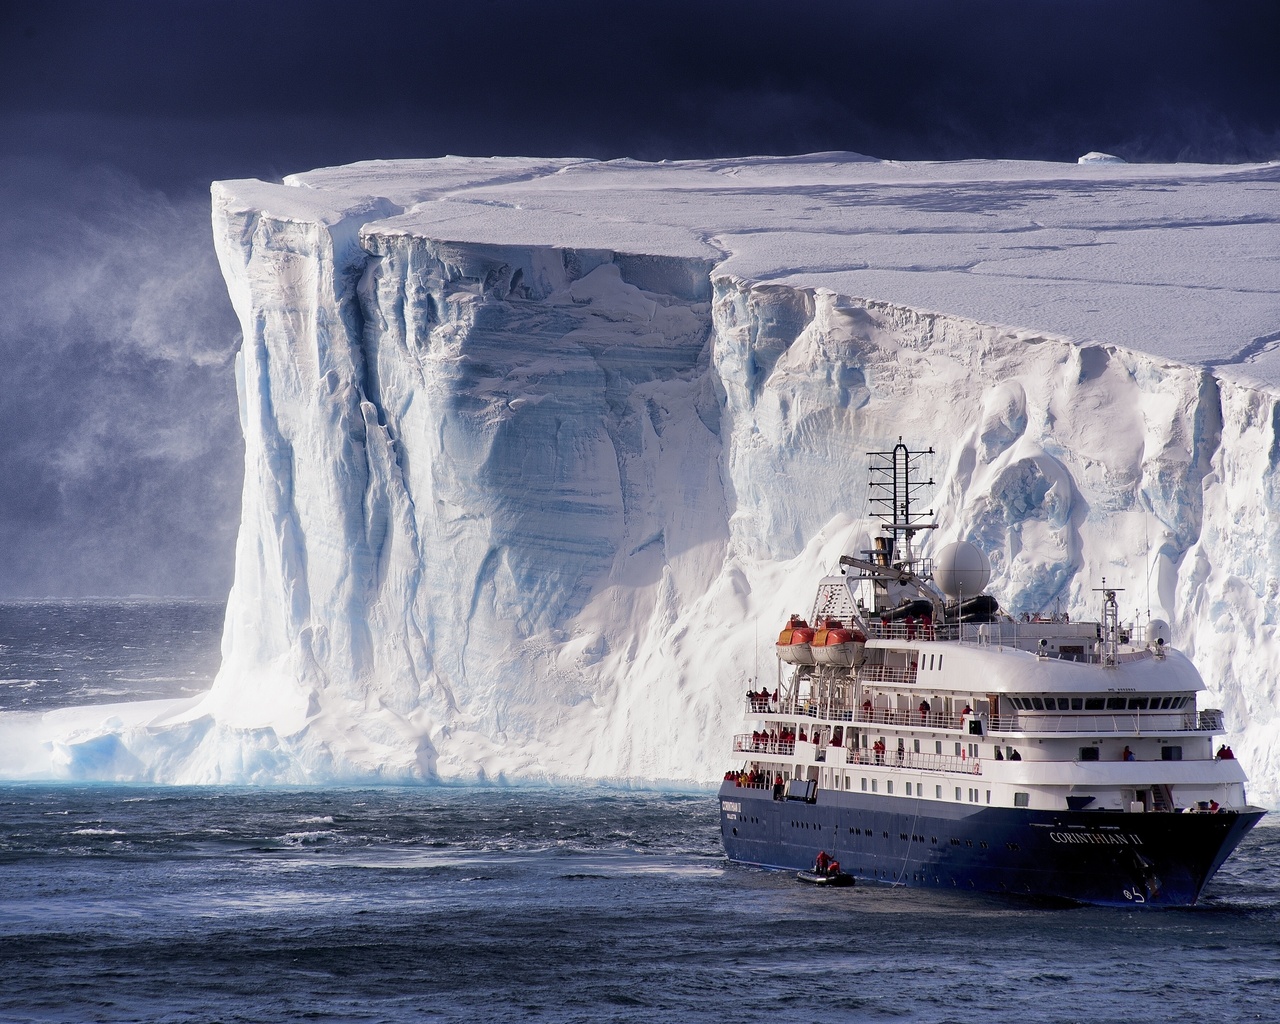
column 540, row 453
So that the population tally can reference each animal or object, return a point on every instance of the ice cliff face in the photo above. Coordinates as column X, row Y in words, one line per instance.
column 538, row 455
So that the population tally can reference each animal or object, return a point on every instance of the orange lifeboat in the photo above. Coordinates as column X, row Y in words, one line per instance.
column 794, row 642
column 836, row 644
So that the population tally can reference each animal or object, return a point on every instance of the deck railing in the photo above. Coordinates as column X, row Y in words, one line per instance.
column 743, row 743
column 902, row 631
column 1209, row 720
column 909, row 759
column 912, row 719
column 905, row 759
column 828, row 712
column 887, row 674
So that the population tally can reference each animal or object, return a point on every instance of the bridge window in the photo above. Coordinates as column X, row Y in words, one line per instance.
column 1094, row 703
column 1077, row 703
column 1037, row 703
column 1064, row 704
column 1137, row 703
column 1115, row 703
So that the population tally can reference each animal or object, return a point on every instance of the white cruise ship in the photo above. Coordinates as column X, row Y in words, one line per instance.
column 917, row 736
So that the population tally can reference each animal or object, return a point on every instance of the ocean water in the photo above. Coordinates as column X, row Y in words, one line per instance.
column 130, row 903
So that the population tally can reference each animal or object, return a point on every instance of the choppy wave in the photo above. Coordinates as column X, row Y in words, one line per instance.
column 424, row 904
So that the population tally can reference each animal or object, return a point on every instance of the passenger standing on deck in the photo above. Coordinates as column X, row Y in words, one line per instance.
column 924, row 711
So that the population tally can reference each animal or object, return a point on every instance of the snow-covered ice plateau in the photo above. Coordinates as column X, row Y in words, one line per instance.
column 540, row 453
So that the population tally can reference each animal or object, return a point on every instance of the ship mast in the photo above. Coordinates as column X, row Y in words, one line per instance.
column 893, row 490
column 1110, row 645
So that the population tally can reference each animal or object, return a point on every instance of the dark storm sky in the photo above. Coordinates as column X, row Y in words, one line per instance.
column 120, row 461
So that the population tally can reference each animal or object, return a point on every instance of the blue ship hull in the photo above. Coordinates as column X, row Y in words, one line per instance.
column 1098, row 857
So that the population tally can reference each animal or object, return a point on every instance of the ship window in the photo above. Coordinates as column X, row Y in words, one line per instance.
column 864, row 785
column 1115, row 703
column 931, row 662
column 1064, row 704
column 1164, row 702
column 1171, row 753
column 1077, row 703
column 937, row 746
column 1037, row 703
column 1137, row 703
column 875, row 783
column 1088, row 753
column 957, row 750
column 939, row 791
column 917, row 743
column 958, row 796
column 988, row 801
column 1094, row 703
column 888, row 786
column 939, row 662
column 908, row 789
column 1021, row 799
column 1182, row 702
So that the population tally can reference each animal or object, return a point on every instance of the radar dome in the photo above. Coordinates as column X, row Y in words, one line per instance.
column 1157, row 631
column 961, row 570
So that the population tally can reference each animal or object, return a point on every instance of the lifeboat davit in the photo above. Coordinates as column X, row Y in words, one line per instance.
column 794, row 642
column 836, row 644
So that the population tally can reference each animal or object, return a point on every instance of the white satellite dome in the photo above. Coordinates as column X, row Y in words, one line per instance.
column 961, row 570
column 1158, row 632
